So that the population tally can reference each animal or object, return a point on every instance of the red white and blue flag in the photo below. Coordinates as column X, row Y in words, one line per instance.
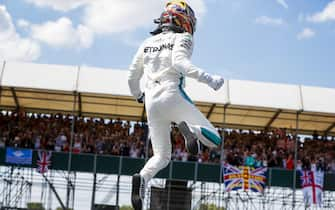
column 44, row 161
column 312, row 185
column 244, row 177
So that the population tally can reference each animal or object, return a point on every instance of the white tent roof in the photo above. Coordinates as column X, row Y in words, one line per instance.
column 92, row 91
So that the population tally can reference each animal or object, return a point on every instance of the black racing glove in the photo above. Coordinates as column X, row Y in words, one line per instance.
column 140, row 99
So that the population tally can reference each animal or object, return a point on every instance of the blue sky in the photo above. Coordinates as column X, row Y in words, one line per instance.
column 282, row 41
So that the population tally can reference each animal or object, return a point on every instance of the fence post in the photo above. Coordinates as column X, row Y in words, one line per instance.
column 94, row 181
column 222, row 152
column 295, row 159
column 118, row 181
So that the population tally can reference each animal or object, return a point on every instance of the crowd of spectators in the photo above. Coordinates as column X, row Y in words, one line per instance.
column 91, row 135
column 273, row 148
column 277, row 149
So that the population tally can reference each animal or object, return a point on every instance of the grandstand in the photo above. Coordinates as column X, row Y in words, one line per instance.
column 103, row 93
column 97, row 92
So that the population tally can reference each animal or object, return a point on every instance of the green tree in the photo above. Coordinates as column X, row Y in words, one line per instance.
column 126, row 208
column 35, row 206
column 210, row 207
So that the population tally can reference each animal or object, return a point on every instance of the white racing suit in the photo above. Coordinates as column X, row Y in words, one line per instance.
column 164, row 61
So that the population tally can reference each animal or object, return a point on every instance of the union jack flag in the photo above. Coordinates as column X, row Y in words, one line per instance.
column 244, row 177
column 44, row 161
column 306, row 178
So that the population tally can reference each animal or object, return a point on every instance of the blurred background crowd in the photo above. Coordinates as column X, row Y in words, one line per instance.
column 273, row 148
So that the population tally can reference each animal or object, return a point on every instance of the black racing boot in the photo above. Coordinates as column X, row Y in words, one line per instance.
column 191, row 140
column 137, row 192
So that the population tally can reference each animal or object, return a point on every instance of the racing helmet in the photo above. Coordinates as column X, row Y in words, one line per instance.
column 177, row 16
